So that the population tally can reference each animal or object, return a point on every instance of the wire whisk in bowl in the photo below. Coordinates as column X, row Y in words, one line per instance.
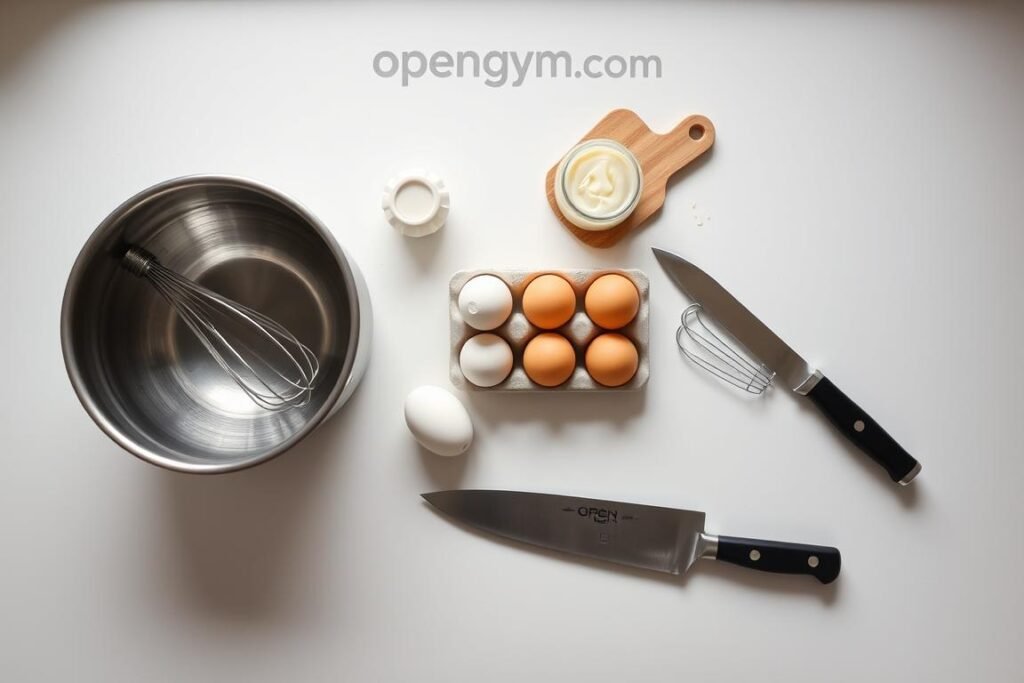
column 712, row 353
column 274, row 369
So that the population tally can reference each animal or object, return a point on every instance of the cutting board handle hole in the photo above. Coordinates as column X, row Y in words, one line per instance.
column 696, row 131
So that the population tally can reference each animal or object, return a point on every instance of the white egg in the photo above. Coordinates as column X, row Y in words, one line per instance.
column 438, row 421
column 486, row 360
column 485, row 302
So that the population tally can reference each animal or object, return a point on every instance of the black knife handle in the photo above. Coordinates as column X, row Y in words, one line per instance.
column 868, row 435
column 821, row 562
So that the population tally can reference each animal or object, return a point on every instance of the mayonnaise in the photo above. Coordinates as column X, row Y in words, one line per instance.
column 598, row 184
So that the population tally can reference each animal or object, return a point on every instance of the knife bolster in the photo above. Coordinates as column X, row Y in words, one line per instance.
column 707, row 547
column 808, row 384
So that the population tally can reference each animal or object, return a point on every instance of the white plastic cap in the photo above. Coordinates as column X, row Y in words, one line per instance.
column 416, row 202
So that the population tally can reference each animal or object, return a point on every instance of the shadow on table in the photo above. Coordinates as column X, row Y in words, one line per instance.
column 444, row 473
column 242, row 541
column 24, row 24
column 556, row 409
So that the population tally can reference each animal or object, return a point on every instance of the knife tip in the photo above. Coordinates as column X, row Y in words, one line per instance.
column 662, row 255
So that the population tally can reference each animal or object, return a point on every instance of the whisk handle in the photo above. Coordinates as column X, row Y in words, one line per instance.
column 857, row 426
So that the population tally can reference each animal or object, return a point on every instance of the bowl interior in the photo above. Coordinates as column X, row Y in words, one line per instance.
column 149, row 381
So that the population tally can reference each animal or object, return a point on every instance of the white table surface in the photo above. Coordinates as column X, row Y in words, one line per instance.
column 866, row 193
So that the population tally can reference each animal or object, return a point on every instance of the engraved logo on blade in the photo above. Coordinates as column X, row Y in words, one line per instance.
column 598, row 515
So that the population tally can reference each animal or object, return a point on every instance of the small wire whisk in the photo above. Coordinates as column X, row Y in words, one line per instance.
column 265, row 360
column 708, row 350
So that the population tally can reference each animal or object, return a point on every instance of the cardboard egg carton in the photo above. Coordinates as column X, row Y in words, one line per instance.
column 580, row 330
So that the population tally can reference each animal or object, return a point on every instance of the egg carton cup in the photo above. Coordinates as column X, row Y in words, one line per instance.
column 580, row 330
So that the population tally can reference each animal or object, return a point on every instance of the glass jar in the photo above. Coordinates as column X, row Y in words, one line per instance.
column 598, row 184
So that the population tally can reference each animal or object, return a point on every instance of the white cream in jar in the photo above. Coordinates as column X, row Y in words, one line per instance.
column 598, row 184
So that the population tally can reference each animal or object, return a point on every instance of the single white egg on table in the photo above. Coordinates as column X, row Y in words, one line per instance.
column 485, row 302
column 486, row 359
column 438, row 421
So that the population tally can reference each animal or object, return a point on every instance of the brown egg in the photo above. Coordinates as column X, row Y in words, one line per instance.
column 549, row 359
column 612, row 359
column 549, row 301
column 612, row 301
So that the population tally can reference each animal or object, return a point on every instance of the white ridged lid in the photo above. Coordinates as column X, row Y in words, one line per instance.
column 416, row 202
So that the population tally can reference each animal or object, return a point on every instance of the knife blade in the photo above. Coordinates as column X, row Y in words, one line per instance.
column 657, row 538
column 752, row 334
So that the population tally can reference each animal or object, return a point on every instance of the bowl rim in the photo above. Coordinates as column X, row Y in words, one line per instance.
column 89, row 251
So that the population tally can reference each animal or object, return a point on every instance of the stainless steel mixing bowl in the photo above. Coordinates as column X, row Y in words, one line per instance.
column 140, row 372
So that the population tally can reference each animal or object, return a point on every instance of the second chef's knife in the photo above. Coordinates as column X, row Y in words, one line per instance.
column 787, row 364
column 662, row 539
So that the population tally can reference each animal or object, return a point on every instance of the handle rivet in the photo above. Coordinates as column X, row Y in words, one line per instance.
column 812, row 561
column 858, row 426
column 755, row 555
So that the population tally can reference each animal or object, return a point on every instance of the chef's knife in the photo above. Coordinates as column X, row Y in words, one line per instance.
column 787, row 364
column 662, row 539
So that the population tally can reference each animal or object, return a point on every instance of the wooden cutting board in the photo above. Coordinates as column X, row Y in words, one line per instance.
column 659, row 155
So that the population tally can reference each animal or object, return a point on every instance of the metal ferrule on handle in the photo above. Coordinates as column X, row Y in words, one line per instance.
column 809, row 383
column 137, row 261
